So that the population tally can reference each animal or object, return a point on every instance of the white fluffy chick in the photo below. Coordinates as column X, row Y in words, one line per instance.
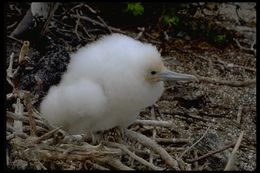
column 107, row 84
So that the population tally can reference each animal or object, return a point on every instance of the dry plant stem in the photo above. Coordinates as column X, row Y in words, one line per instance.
column 46, row 135
column 228, row 82
column 218, row 60
column 19, row 108
column 239, row 114
column 95, row 165
column 13, row 38
column 234, row 65
column 211, row 153
column 153, row 137
column 11, row 26
column 23, row 118
column 104, row 23
column 54, row 6
column 119, row 165
column 90, row 9
column 140, row 34
column 153, row 145
column 98, row 23
column 76, row 27
column 167, row 124
column 172, row 140
column 12, row 130
column 115, row 163
column 196, row 164
column 28, row 103
column 195, row 142
column 133, row 155
column 9, row 70
column 231, row 157
column 24, row 52
column 244, row 48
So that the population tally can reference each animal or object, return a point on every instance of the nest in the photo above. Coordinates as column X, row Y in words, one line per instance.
column 155, row 141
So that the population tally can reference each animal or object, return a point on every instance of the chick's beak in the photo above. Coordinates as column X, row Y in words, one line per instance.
column 168, row 75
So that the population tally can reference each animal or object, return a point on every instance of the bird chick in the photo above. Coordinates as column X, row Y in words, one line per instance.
column 106, row 85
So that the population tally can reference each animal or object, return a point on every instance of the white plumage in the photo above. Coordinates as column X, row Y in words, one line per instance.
column 106, row 85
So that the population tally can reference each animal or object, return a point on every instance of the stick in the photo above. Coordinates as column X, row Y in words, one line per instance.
column 134, row 156
column 228, row 82
column 9, row 70
column 98, row 23
column 153, row 137
column 231, row 157
column 195, row 142
column 152, row 144
column 46, row 135
column 172, row 140
column 18, row 125
column 210, row 153
column 239, row 113
column 28, row 103
column 167, row 124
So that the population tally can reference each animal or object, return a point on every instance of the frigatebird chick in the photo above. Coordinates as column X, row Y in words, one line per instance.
column 107, row 84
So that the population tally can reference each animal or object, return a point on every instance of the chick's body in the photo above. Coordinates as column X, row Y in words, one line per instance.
column 104, row 86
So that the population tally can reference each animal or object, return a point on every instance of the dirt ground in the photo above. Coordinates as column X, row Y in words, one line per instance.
column 204, row 116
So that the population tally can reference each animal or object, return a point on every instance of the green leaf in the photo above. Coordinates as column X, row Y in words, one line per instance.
column 136, row 8
column 171, row 20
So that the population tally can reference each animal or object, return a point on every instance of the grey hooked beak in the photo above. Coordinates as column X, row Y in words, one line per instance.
column 168, row 75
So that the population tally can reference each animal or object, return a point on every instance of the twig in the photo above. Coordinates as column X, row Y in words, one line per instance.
column 153, row 137
column 228, row 82
column 151, row 144
column 166, row 124
column 210, row 153
column 231, row 65
column 134, row 156
column 19, row 108
column 104, row 23
column 10, row 26
column 119, row 165
column 115, row 163
column 9, row 71
column 12, row 130
column 46, row 135
column 53, row 7
column 11, row 136
column 252, row 45
column 13, row 38
column 98, row 23
column 239, row 113
column 139, row 35
column 28, row 103
column 95, row 165
column 23, row 56
column 172, row 140
column 76, row 27
column 23, row 118
column 195, row 142
column 196, row 164
column 231, row 157
column 90, row 9
column 244, row 48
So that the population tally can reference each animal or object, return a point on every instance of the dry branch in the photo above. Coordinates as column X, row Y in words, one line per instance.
column 195, row 142
column 210, row 153
column 134, row 156
column 228, row 82
column 231, row 157
column 99, row 23
column 153, row 145
column 167, row 124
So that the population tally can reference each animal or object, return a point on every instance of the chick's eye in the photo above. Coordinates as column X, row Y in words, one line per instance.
column 153, row 72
